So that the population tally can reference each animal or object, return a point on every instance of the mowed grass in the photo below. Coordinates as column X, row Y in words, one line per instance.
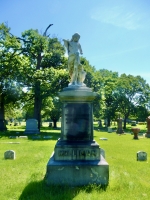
column 23, row 177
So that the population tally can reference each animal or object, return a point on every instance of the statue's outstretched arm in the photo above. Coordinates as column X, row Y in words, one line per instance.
column 66, row 44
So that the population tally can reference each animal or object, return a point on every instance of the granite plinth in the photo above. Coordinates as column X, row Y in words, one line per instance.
column 65, row 150
column 77, row 173
column 77, row 159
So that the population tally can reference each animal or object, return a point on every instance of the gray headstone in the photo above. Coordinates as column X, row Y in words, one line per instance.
column 23, row 137
column 32, row 126
column 109, row 130
column 103, row 139
column 13, row 137
column 10, row 154
column 47, row 137
column 141, row 156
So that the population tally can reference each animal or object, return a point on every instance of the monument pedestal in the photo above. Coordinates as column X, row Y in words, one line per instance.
column 77, row 158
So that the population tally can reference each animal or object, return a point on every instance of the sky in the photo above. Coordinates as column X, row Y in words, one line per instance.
column 115, row 34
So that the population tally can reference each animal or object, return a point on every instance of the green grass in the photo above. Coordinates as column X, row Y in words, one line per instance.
column 22, row 178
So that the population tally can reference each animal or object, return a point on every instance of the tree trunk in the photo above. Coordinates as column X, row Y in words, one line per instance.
column 125, row 122
column 55, row 123
column 37, row 98
column 2, row 114
column 37, row 104
column 108, row 121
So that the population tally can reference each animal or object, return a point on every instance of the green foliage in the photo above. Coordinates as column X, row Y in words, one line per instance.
column 131, row 94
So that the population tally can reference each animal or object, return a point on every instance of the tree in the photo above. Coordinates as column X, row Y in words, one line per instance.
column 109, row 84
column 131, row 92
column 46, row 55
column 10, row 63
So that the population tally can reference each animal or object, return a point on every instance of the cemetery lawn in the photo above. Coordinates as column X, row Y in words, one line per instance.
column 22, row 178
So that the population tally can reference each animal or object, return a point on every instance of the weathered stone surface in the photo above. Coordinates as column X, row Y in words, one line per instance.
column 141, row 156
column 77, row 159
column 65, row 150
column 32, row 127
column 119, row 124
column 77, row 173
column 10, row 154
column 148, row 127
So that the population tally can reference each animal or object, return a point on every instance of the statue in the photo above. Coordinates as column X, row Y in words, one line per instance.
column 76, row 72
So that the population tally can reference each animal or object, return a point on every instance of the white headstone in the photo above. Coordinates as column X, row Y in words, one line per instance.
column 32, row 126
column 10, row 154
column 141, row 156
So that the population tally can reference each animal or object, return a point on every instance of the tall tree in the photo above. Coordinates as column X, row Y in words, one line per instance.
column 10, row 63
column 44, row 53
column 131, row 92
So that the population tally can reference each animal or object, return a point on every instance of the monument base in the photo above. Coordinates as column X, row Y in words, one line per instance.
column 77, row 173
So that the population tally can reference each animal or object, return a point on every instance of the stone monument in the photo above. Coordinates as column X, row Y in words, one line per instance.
column 148, row 127
column 119, row 126
column 10, row 154
column 77, row 159
column 31, row 127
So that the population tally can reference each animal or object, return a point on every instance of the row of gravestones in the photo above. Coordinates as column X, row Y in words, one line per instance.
column 141, row 155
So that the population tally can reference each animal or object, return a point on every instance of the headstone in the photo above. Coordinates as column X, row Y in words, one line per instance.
column 100, row 123
column 47, row 137
column 141, row 156
column 119, row 124
column 23, row 136
column 148, row 127
column 109, row 130
column 13, row 137
column 32, row 127
column 50, row 124
column 10, row 154
column 103, row 139
column 133, row 123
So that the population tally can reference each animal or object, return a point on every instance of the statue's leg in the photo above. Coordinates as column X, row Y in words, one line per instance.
column 72, row 71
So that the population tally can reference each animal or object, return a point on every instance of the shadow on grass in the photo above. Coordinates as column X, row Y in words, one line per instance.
column 40, row 191
column 45, row 134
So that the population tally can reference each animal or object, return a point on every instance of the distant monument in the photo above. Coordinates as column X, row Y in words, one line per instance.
column 77, row 159
column 119, row 126
column 31, row 127
column 148, row 127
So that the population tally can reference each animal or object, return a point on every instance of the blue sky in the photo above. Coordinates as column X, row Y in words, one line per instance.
column 115, row 34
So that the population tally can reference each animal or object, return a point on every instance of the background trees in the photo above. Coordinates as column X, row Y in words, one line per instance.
column 132, row 95
column 10, row 65
column 46, row 57
column 33, row 69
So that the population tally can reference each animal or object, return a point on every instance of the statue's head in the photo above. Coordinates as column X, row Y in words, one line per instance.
column 75, row 37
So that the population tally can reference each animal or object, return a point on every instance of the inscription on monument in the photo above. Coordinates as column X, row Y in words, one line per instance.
column 77, row 124
column 78, row 154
